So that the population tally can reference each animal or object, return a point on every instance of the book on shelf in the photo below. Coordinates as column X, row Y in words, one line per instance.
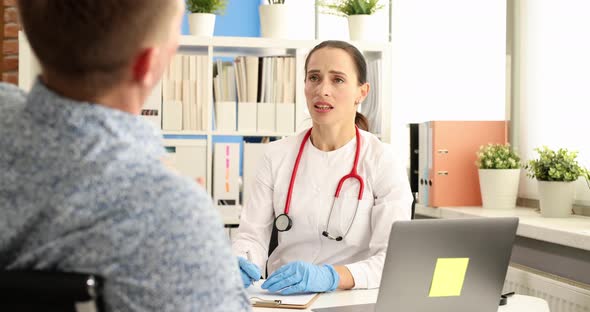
column 262, row 87
column 184, row 94
column 225, row 95
column 247, row 92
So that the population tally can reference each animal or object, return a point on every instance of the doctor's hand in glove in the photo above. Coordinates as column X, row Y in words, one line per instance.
column 302, row 277
column 249, row 271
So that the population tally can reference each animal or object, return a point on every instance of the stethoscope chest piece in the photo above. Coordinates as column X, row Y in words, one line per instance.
column 283, row 223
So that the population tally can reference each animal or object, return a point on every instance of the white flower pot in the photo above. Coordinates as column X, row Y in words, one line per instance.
column 361, row 28
column 499, row 188
column 276, row 21
column 201, row 24
column 556, row 198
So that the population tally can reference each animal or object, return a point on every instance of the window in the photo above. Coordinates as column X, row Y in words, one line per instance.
column 449, row 62
column 552, row 82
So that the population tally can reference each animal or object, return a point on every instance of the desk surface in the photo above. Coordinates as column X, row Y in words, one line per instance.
column 516, row 303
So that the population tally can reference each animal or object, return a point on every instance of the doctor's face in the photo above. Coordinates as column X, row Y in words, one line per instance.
column 332, row 87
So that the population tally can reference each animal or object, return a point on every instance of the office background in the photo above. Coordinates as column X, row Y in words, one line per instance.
column 522, row 60
column 526, row 60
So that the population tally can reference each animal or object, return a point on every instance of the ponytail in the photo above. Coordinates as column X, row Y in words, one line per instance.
column 361, row 121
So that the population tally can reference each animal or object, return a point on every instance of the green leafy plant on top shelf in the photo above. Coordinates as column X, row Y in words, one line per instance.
column 560, row 165
column 276, row 1
column 206, row 6
column 352, row 7
column 497, row 156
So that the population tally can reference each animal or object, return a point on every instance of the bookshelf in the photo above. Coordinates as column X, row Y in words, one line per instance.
column 214, row 47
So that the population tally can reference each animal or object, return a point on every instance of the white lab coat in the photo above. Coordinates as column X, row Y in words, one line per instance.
column 387, row 198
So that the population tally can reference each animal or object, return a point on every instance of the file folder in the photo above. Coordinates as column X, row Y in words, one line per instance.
column 414, row 157
column 266, row 117
column 247, row 116
column 285, row 117
column 225, row 116
column 152, row 109
column 423, row 163
column 226, row 174
column 172, row 115
column 453, row 148
column 188, row 157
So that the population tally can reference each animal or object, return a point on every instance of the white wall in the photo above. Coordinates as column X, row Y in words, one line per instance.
column 448, row 62
column 554, row 93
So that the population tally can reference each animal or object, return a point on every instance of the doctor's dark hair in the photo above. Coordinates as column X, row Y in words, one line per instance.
column 359, row 63
column 91, row 42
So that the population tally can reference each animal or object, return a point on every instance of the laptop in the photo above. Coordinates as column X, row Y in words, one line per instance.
column 454, row 265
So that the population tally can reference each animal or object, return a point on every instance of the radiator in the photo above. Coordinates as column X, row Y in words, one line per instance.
column 562, row 295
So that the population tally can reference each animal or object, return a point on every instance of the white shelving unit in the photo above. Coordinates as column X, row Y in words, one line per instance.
column 238, row 46
column 249, row 46
column 214, row 47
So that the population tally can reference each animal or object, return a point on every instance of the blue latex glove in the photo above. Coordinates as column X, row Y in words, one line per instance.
column 249, row 271
column 302, row 277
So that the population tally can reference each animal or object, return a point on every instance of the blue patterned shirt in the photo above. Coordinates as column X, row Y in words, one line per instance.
column 82, row 188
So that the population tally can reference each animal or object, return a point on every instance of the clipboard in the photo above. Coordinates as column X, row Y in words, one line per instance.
column 280, row 304
column 261, row 298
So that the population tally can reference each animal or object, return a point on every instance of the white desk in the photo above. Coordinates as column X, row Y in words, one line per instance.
column 516, row 303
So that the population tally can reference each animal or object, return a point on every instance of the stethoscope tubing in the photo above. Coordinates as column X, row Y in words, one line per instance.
column 353, row 172
column 294, row 173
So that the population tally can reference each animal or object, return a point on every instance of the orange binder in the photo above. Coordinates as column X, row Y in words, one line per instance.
column 453, row 173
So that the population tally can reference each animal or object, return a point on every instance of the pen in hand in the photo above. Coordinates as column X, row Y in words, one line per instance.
column 250, row 272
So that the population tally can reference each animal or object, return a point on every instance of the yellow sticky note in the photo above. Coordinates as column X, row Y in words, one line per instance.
column 448, row 277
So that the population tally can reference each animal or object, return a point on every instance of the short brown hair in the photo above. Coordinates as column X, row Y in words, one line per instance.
column 91, row 41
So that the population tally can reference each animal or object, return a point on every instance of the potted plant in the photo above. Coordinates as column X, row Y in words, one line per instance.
column 555, row 171
column 275, row 20
column 360, row 21
column 499, row 174
column 202, row 18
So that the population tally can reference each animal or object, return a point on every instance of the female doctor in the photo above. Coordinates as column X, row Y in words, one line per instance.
column 332, row 191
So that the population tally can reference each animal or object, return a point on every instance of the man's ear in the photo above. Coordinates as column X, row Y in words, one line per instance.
column 143, row 66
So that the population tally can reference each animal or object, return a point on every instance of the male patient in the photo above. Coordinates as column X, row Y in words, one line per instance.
column 82, row 187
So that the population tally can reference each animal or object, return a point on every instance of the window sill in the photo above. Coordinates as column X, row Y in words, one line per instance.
column 573, row 231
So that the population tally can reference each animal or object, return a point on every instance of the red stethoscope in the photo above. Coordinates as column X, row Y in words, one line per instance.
column 283, row 222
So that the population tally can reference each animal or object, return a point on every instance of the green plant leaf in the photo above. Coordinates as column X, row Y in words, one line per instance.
column 352, row 7
column 497, row 156
column 560, row 165
column 206, row 6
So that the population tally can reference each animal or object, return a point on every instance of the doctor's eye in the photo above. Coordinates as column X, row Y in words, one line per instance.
column 313, row 78
column 338, row 80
